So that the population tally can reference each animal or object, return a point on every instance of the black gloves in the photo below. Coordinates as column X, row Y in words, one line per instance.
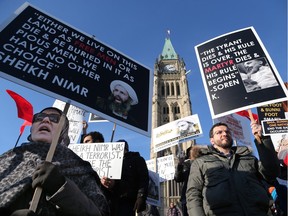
column 140, row 204
column 23, row 212
column 48, row 177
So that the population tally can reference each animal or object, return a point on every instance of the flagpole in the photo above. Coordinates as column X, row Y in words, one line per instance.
column 50, row 154
column 113, row 131
column 17, row 140
column 257, row 137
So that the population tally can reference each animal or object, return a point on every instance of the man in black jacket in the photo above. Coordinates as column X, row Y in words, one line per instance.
column 183, row 171
column 227, row 181
column 129, row 194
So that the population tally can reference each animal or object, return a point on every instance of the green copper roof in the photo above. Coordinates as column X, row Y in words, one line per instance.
column 168, row 50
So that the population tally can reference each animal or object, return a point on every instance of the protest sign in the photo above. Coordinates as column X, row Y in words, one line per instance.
column 153, row 196
column 277, row 126
column 95, row 118
column 166, row 168
column 176, row 132
column 271, row 111
column 42, row 53
column 151, row 164
column 75, row 116
column 105, row 158
column 238, row 73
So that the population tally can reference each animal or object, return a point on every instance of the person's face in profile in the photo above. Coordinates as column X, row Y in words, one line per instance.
column 44, row 126
column 120, row 94
column 253, row 65
column 183, row 125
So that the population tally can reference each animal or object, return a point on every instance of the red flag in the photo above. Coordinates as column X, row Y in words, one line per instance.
column 25, row 109
column 26, row 123
column 245, row 113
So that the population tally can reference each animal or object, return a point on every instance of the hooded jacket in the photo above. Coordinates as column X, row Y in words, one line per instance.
column 232, row 186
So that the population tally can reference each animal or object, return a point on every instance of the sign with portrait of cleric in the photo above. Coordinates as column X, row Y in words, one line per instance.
column 40, row 52
column 238, row 73
column 176, row 132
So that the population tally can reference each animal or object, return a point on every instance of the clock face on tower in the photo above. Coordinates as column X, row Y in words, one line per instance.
column 169, row 68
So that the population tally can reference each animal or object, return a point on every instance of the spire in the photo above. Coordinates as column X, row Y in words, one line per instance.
column 168, row 51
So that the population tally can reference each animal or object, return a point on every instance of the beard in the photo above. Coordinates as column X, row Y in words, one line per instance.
column 121, row 108
column 227, row 144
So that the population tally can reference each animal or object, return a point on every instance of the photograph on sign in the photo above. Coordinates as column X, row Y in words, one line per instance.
column 75, row 116
column 166, row 168
column 105, row 158
column 95, row 118
column 153, row 197
column 176, row 132
column 238, row 73
column 47, row 55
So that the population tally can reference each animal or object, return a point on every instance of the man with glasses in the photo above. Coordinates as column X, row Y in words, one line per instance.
column 228, row 180
column 69, row 184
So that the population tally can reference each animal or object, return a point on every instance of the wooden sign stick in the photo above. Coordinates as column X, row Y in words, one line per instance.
column 257, row 137
column 49, row 156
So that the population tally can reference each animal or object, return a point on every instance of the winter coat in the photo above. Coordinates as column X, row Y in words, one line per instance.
column 231, row 186
column 182, row 175
column 80, row 195
column 173, row 212
column 134, row 179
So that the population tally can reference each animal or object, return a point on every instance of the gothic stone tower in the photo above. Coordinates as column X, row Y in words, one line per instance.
column 171, row 101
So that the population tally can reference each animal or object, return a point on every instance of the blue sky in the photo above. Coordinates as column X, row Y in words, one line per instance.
column 138, row 30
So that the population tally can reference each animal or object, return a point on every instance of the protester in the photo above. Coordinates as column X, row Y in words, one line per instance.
column 281, row 187
column 227, row 180
column 150, row 210
column 91, row 137
column 173, row 210
column 68, row 183
column 130, row 192
column 182, row 173
column 97, row 137
column 84, row 130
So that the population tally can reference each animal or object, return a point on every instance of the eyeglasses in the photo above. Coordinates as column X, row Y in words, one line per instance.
column 219, row 132
column 40, row 116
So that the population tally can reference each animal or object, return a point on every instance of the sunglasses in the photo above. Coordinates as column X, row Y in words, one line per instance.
column 40, row 116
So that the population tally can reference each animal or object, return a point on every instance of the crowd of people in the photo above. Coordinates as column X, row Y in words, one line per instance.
column 217, row 180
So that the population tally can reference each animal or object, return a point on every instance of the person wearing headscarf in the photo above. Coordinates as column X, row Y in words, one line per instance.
column 69, row 184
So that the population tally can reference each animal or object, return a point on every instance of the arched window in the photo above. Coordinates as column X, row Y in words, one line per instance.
column 162, row 89
column 177, row 89
column 172, row 89
column 167, row 89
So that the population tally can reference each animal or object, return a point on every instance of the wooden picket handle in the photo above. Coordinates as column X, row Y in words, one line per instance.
column 49, row 156
column 257, row 137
